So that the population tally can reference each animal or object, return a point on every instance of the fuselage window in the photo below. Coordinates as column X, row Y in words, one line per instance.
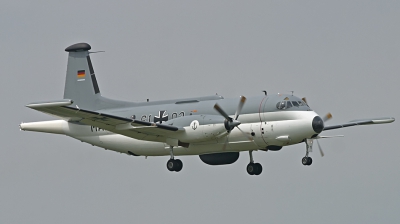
column 295, row 103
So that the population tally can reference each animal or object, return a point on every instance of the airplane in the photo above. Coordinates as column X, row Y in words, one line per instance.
column 212, row 127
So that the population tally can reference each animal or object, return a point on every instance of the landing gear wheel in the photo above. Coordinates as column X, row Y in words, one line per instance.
column 258, row 169
column 251, row 168
column 171, row 165
column 306, row 161
column 309, row 161
column 174, row 165
column 254, row 169
column 178, row 164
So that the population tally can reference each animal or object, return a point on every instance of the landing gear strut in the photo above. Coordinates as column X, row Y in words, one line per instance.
column 253, row 168
column 174, row 164
column 306, row 161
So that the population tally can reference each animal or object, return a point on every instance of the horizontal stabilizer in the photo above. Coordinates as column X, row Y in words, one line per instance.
column 58, row 103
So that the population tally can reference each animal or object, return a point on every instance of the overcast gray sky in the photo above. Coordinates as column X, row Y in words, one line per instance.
column 344, row 56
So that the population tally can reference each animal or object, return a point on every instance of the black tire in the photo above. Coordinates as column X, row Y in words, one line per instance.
column 258, row 169
column 309, row 161
column 304, row 161
column 171, row 165
column 178, row 165
column 250, row 169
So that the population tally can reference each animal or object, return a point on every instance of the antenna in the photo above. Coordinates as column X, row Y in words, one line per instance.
column 292, row 92
column 94, row 52
column 265, row 92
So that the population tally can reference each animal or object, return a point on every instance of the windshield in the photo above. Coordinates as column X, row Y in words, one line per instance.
column 286, row 104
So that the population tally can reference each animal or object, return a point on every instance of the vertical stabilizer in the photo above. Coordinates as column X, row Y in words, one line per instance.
column 81, row 84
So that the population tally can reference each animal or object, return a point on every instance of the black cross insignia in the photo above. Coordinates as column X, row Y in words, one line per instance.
column 162, row 116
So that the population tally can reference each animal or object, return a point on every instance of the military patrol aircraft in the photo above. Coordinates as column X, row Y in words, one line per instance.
column 212, row 127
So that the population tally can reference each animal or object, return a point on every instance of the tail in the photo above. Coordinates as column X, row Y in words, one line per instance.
column 80, row 83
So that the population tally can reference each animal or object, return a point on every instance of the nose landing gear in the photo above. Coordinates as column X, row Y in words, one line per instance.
column 306, row 161
column 253, row 168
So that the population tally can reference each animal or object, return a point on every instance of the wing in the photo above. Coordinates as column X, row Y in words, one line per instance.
column 125, row 126
column 361, row 122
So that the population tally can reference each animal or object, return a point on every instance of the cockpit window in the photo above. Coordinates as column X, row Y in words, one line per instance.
column 286, row 104
column 281, row 105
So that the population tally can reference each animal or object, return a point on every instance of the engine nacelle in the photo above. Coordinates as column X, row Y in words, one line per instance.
column 220, row 158
column 199, row 128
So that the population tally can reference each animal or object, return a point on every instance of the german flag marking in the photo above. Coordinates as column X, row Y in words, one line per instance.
column 81, row 74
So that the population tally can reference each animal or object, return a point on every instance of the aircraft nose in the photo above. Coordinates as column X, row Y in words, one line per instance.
column 318, row 124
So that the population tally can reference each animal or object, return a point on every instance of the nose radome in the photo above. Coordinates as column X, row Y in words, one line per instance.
column 318, row 124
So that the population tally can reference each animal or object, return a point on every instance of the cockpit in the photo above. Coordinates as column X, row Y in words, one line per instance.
column 286, row 104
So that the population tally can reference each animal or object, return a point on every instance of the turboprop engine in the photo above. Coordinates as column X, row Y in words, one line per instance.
column 199, row 128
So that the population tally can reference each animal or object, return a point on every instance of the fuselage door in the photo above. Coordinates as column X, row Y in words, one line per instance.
column 262, row 128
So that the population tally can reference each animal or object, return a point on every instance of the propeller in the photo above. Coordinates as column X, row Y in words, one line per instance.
column 325, row 118
column 309, row 143
column 240, row 106
column 305, row 100
column 230, row 123
column 320, row 149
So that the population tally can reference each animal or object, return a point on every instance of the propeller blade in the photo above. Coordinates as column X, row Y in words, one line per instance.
column 222, row 112
column 320, row 149
column 245, row 134
column 240, row 106
column 327, row 117
column 249, row 137
column 226, row 143
column 305, row 100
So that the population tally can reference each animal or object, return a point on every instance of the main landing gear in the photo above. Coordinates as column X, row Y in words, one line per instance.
column 253, row 168
column 306, row 161
column 174, row 164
